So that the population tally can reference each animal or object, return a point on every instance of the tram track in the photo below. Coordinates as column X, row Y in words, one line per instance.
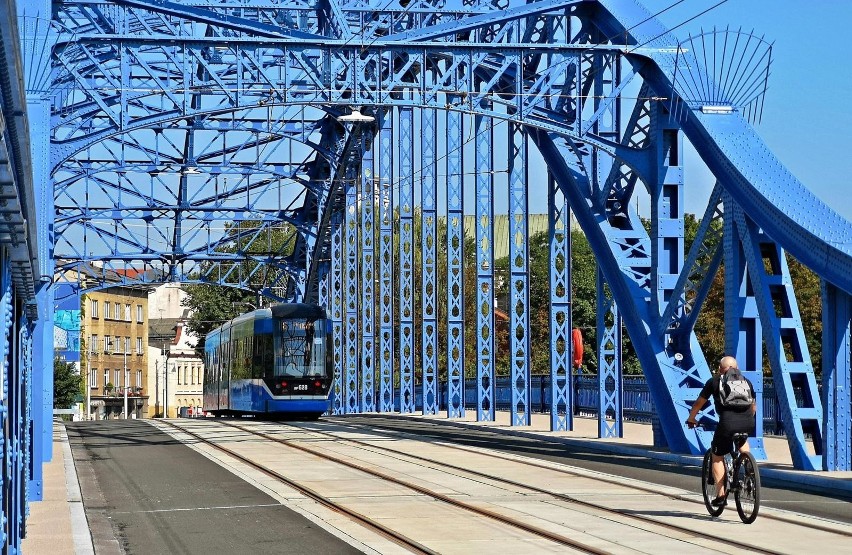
column 558, row 538
column 535, row 530
column 600, row 477
column 392, row 535
column 738, row 543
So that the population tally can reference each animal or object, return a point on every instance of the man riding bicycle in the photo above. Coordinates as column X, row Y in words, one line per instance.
column 733, row 419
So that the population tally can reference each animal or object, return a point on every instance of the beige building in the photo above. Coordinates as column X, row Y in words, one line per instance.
column 176, row 371
column 115, row 352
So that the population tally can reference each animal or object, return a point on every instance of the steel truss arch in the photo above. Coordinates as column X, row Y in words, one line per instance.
column 557, row 71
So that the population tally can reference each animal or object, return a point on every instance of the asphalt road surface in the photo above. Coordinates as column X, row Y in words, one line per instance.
column 146, row 493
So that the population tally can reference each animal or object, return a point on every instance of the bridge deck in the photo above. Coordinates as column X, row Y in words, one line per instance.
column 57, row 525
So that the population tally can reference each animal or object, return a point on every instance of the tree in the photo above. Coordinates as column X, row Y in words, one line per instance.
column 66, row 383
column 211, row 305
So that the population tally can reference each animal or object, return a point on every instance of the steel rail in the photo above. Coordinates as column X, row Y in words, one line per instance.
column 319, row 498
column 557, row 538
column 604, row 479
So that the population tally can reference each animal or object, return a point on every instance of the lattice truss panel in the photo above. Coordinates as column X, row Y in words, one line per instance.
column 201, row 141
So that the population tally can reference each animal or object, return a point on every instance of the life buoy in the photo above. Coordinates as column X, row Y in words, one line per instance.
column 577, row 344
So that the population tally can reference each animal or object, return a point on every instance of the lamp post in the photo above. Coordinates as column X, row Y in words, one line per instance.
column 88, row 383
column 156, row 387
column 165, row 379
column 125, row 383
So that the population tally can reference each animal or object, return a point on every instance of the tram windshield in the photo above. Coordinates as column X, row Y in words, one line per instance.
column 300, row 348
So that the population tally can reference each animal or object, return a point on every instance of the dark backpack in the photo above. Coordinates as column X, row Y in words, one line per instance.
column 734, row 389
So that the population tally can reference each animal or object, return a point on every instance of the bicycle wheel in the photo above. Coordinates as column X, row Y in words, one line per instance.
column 708, row 485
column 747, row 494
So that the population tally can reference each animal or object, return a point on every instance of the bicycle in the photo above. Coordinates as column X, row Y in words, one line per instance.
column 742, row 477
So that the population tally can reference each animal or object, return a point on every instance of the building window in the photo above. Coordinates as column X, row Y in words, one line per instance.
column 127, row 345
column 93, row 378
column 138, row 345
column 107, row 344
column 93, row 344
column 117, row 311
column 117, row 374
column 106, row 377
column 139, row 378
column 107, row 308
column 185, row 371
column 178, row 375
column 139, row 315
column 127, row 313
column 94, row 308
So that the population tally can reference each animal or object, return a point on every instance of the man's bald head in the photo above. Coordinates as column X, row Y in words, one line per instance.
column 727, row 362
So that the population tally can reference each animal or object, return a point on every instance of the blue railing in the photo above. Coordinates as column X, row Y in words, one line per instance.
column 638, row 405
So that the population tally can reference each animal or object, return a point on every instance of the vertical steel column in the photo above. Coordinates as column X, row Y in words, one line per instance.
column 406, row 262
column 38, row 112
column 26, row 439
column 7, row 367
column 610, row 408
column 519, row 319
column 429, row 255
column 792, row 370
column 666, row 209
column 37, row 37
column 336, row 312
column 455, row 265
column 350, row 296
column 743, row 332
column 386, row 351
column 667, row 223
column 14, row 459
column 561, row 383
column 836, row 378
column 484, row 156
column 605, row 73
column 366, row 205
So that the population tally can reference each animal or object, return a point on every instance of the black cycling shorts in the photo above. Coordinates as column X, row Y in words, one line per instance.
column 730, row 424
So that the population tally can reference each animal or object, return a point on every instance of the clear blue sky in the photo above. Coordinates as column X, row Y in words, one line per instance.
column 807, row 119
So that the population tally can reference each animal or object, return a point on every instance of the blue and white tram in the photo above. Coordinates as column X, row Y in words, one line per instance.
column 272, row 361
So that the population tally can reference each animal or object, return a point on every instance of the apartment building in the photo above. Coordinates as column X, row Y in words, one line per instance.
column 176, row 374
column 115, row 331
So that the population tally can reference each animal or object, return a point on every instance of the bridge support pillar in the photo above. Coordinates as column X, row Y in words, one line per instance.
column 836, row 378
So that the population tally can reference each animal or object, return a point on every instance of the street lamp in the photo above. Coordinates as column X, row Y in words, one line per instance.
column 356, row 117
column 125, row 381
column 165, row 379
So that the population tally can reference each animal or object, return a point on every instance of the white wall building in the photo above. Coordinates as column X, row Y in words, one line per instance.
column 176, row 372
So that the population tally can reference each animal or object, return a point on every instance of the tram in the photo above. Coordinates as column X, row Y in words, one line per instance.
column 274, row 361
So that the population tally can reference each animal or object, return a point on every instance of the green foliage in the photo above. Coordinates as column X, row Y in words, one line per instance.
column 66, row 383
column 212, row 305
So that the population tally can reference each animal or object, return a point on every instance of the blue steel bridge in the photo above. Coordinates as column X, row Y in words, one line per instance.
column 165, row 141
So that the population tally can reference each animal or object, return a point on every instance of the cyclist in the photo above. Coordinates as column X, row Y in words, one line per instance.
column 732, row 420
